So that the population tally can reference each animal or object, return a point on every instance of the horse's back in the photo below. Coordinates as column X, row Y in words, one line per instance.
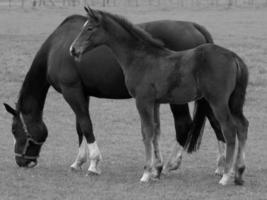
column 177, row 35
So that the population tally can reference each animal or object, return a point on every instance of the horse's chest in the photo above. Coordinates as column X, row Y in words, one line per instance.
column 141, row 85
column 132, row 82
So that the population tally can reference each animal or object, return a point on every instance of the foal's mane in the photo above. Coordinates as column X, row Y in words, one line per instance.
column 133, row 30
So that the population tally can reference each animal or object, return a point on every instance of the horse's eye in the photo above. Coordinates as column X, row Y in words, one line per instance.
column 89, row 28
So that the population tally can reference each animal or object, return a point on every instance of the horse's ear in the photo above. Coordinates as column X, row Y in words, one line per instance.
column 92, row 13
column 86, row 9
column 89, row 11
column 10, row 109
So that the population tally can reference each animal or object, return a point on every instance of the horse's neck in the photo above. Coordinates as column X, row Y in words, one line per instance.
column 123, row 51
column 34, row 89
column 127, row 46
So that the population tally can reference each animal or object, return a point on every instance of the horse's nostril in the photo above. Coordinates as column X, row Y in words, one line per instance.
column 72, row 51
column 32, row 164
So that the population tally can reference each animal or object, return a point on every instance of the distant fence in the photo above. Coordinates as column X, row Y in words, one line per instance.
column 110, row 3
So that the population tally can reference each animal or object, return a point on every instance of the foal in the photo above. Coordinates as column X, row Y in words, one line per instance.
column 155, row 75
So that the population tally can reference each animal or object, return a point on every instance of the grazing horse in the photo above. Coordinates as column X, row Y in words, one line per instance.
column 155, row 75
column 77, row 81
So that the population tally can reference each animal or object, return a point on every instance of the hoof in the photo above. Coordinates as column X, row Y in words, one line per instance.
column 75, row 168
column 146, row 177
column 157, row 172
column 93, row 171
column 224, row 180
column 239, row 181
column 154, row 178
column 94, row 168
column 172, row 166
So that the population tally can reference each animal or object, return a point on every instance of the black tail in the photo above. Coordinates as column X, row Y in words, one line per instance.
column 237, row 98
column 196, row 130
column 204, row 32
column 200, row 111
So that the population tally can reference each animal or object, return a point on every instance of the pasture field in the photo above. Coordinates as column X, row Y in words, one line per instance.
column 116, row 123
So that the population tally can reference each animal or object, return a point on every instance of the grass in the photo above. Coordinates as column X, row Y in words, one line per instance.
column 116, row 123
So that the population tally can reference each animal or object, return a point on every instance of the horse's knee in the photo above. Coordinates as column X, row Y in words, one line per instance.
column 242, row 132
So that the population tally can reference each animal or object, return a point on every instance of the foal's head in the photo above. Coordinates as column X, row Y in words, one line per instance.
column 106, row 28
column 28, row 138
column 92, row 34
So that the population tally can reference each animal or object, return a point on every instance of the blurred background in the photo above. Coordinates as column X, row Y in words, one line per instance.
column 109, row 3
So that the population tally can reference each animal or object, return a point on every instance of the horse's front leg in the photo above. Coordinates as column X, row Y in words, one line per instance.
column 146, row 112
column 158, row 163
column 82, row 152
column 79, row 103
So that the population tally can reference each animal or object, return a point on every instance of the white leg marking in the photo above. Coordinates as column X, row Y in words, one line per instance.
column 225, row 179
column 94, row 156
column 146, row 177
column 220, row 159
column 81, row 157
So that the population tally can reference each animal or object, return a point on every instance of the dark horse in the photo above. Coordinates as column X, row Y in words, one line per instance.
column 155, row 75
column 98, row 74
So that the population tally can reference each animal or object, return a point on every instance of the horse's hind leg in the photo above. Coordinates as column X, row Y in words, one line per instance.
column 79, row 103
column 146, row 112
column 226, row 121
column 158, row 163
column 242, row 130
column 221, row 145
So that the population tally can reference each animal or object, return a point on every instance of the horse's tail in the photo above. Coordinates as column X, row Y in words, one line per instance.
column 237, row 98
column 200, row 111
column 204, row 32
column 196, row 130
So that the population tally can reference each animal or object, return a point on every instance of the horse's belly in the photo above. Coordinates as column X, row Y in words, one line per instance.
column 107, row 92
column 180, row 95
column 184, row 95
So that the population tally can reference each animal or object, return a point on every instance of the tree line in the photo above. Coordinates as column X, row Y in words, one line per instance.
column 136, row 3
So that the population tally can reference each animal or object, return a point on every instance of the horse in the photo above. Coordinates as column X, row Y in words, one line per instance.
column 155, row 75
column 53, row 66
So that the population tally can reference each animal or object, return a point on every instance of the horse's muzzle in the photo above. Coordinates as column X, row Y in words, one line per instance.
column 27, row 163
column 74, row 53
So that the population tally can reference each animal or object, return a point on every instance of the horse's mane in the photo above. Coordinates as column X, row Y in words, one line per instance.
column 24, row 91
column 134, row 31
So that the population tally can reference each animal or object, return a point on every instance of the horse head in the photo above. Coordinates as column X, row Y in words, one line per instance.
column 29, row 136
column 91, row 35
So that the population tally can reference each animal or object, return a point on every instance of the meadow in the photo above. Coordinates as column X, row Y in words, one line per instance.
column 116, row 123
